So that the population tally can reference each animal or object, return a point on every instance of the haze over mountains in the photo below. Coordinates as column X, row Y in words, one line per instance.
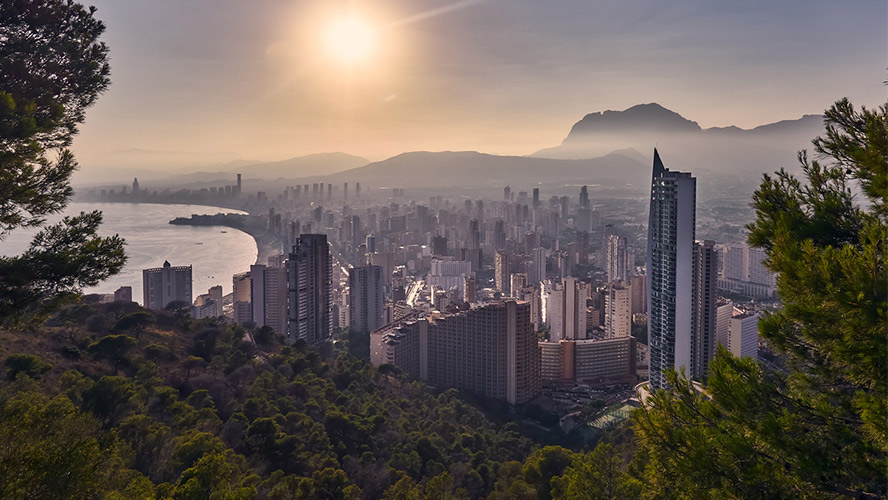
column 609, row 148
column 687, row 146
column 173, row 167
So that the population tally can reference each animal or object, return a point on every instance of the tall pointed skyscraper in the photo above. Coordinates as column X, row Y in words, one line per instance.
column 670, row 268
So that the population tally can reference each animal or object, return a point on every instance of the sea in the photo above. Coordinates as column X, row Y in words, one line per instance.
column 215, row 253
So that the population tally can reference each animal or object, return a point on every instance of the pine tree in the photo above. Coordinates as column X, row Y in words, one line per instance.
column 53, row 67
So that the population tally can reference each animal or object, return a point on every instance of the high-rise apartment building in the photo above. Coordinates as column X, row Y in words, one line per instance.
column 162, row 286
column 537, row 271
column 366, row 298
column 469, row 290
column 276, row 294
column 566, row 310
column 705, row 317
column 583, row 219
column 617, row 259
column 439, row 246
column 259, row 296
column 502, row 274
column 638, row 283
column 670, row 270
column 618, row 310
column 518, row 283
column 490, row 350
column 310, row 290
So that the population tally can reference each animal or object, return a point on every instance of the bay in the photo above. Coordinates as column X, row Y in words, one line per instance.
column 215, row 253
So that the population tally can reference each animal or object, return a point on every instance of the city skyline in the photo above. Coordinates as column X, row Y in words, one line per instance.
column 264, row 81
column 579, row 322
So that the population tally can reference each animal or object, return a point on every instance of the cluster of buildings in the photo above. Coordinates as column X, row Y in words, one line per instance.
column 502, row 297
column 140, row 194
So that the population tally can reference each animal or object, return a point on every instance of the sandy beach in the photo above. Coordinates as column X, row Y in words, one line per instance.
column 268, row 244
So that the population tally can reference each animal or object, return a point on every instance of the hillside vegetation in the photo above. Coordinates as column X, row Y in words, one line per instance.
column 111, row 401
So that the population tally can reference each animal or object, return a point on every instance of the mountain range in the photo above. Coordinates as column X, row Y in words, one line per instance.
column 609, row 148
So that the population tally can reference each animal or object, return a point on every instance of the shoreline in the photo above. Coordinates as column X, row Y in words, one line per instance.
column 266, row 244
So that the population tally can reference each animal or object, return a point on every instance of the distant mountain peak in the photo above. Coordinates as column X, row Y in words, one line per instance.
column 650, row 117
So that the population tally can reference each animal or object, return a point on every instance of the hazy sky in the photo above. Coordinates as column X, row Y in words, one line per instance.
column 258, row 78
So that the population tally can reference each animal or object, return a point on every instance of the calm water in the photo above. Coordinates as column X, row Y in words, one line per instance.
column 215, row 253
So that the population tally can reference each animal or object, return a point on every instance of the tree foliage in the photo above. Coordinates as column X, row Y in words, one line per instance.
column 53, row 67
column 49, row 449
column 113, row 348
column 135, row 322
column 29, row 364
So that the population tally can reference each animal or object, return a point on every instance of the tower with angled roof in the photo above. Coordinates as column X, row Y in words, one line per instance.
column 670, row 268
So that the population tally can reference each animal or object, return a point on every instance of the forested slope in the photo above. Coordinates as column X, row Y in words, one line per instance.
column 95, row 403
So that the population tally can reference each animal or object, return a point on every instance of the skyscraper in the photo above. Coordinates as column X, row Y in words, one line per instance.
column 502, row 275
column 705, row 319
column 276, row 295
column 163, row 285
column 617, row 259
column 670, row 269
column 366, row 298
column 257, row 294
column 537, row 271
column 310, row 290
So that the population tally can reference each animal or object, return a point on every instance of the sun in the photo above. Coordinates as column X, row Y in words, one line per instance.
column 350, row 39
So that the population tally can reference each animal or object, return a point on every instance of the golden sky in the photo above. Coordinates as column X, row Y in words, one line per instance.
column 271, row 79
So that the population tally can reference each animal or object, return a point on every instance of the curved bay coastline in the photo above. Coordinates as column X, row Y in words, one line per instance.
column 216, row 252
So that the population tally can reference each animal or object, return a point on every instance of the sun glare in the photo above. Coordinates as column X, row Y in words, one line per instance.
column 350, row 40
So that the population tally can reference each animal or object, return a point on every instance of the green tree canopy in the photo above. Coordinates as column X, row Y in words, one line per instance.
column 48, row 449
column 135, row 322
column 113, row 348
column 29, row 364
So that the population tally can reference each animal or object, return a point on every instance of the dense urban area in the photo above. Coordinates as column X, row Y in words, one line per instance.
column 537, row 301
